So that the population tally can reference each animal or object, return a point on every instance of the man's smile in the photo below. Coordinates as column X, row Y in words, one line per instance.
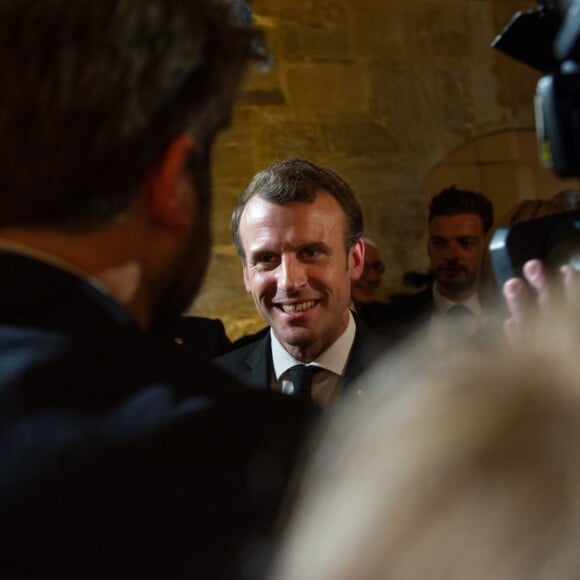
column 297, row 307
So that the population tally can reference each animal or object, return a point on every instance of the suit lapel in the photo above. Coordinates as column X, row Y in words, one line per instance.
column 259, row 365
column 365, row 350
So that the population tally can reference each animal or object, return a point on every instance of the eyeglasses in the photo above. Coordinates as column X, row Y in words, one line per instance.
column 377, row 267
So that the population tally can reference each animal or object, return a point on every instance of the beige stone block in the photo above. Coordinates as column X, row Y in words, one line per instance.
column 375, row 29
column 464, row 176
column 423, row 106
column 500, row 183
column 306, row 31
column 527, row 145
column 462, row 155
column 515, row 86
column 546, row 183
column 529, row 182
column 280, row 11
column 328, row 89
column 285, row 139
column 359, row 138
column 233, row 154
column 224, row 203
column 261, row 77
column 501, row 146
column 223, row 296
column 453, row 28
column 327, row 43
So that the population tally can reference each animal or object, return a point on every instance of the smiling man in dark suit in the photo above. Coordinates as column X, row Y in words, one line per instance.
column 117, row 460
column 297, row 229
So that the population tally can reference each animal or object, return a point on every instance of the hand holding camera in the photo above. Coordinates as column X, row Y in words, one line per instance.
column 549, row 293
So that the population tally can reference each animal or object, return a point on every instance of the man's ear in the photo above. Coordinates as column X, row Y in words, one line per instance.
column 170, row 189
column 429, row 248
column 246, row 276
column 357, row 259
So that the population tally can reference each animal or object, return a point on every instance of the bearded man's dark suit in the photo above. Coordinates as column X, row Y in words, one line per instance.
column 252, row 363
column 408, row 313
column 115, row 461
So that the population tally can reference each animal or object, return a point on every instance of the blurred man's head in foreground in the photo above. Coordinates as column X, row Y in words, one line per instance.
column 104, row 102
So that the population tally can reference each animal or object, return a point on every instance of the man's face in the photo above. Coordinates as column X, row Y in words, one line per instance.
column 186, row 273
column 365, row 288
column 298, row 271
column 455, row 248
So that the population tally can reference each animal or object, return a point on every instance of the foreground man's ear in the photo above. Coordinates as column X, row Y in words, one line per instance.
column 357, row 259
column 170, row 189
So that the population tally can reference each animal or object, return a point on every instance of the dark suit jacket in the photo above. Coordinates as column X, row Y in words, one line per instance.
column 411, row 312
column 115, row 460
column 252, row 363
column 408, row 313
column 200, row 338
column 381, row 317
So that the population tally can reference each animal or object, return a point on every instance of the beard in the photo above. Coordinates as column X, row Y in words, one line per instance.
column 188, row 273
column 458, row 287
column 190, row 265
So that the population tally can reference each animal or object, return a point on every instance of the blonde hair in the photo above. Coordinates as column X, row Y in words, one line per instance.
column 465, row 467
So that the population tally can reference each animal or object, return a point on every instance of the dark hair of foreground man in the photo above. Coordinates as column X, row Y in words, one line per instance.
column 116, row 459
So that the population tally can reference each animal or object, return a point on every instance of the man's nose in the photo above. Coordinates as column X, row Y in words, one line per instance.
column 452, row 252
column 291, row 274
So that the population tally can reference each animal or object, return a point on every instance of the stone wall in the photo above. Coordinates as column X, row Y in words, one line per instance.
column 378, row 90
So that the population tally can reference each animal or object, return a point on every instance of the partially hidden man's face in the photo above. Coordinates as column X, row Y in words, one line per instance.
column 298, row 271
column 455, row 247
column 187, row 272
column 364, row 289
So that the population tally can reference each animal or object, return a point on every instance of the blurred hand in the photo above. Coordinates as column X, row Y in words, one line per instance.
column 524, row 304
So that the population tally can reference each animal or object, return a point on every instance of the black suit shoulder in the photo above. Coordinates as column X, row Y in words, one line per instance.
column 251, row 363
column 402, row 316
column 116, row 460
column 200, row 338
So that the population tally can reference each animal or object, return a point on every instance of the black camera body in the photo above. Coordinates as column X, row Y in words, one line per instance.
column 554, row 238
column 557, row 106
column 547, row 39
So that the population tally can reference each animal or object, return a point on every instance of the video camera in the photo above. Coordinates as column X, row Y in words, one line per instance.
column 548, row 40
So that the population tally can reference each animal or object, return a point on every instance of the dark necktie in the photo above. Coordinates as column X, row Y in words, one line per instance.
column 301, row 377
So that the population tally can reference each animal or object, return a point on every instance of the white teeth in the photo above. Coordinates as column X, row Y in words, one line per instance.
column 290, row 308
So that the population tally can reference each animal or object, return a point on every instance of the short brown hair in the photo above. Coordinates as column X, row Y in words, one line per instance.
column 299, row 180
column 453, row 200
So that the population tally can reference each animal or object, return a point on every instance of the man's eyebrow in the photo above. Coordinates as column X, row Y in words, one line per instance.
column 314, row 246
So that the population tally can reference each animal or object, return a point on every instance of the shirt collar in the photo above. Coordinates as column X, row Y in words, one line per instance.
column 47, row 258
column 442, row 304
column 333, row 359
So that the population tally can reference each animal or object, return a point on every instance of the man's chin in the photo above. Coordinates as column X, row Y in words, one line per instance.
column 294, row 336
column 456, row 286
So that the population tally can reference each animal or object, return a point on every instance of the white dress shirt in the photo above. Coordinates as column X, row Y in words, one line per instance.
column 325, row 384
column 438, row 325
